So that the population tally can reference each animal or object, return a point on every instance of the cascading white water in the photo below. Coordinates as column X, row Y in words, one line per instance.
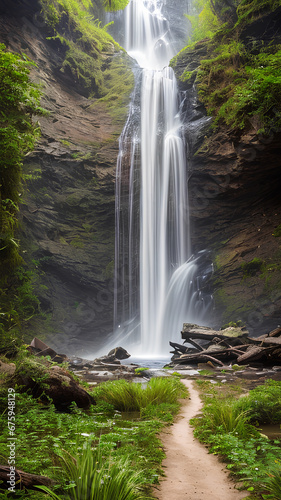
column 156, row 289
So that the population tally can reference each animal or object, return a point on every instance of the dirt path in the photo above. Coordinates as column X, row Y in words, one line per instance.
column 191, row 473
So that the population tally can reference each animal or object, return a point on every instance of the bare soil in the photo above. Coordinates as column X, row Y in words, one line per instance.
column 190, row 472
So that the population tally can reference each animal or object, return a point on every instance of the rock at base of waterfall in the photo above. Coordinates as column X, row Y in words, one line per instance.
column 119, row 353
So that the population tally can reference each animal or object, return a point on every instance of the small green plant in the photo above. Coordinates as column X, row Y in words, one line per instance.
column 140, row 370
column 206, row 373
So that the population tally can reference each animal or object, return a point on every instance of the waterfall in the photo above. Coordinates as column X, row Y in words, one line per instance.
column 157, row 285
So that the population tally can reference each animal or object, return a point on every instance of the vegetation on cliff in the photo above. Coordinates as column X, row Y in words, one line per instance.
column 19, row 130
column 89, row 51
column 239, row 76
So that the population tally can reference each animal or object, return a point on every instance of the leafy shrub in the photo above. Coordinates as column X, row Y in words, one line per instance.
column 263, row 404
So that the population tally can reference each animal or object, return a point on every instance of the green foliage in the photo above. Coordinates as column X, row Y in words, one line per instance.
column 249, row 10
column 204, row 22
column 118, row 83
column 257, row 94
column 91, row 477
column 18, row 305
column 272, row 483
column 233, row 324
column 126, row 396
column 19, row 102
column 263, row 403
column 88, row 47
column 225, row 416
column 225, row 426
column 112, row 5
column 240, row 87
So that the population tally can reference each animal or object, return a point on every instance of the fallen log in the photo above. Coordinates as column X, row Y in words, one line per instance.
column 23, row 480
column 234, row 336
column 178, row 347
column 276, row 332
column 267, row 341
column 218, row 355
column 200, row 359
column 254, row 353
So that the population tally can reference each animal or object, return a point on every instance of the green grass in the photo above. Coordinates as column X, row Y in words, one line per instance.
column 263, row 405
column 90, row 476
column 126, row 396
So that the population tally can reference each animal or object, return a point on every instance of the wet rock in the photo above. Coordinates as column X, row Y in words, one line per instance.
column 119, row 353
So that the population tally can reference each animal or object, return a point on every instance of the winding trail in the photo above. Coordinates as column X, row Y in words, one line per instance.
column 192, row 473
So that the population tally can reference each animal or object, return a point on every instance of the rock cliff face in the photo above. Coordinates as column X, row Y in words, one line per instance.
column 67, row 212
column 234, row 189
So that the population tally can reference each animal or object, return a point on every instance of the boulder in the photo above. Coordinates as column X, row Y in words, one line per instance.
column 52, row 383
column 119, row 353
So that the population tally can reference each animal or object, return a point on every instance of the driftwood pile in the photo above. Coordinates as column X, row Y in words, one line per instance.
column 231, row 345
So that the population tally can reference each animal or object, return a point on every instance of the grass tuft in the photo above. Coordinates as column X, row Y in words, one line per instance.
column 126, row 396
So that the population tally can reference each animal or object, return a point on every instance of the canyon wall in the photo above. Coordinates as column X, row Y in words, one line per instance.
column 67, row 214
column 234, row 190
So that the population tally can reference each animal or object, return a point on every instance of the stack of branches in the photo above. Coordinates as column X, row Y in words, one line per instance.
column 229, row 345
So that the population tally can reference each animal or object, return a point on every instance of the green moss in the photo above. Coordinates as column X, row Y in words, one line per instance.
column 232, row 324
column 109, row 270
column 118, row 84
column 252, row 268
column 77, row 242
column 277, row 232
column 233, row 307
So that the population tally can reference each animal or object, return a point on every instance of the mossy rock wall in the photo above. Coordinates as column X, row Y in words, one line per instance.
column 67, row 221
column 234, row 183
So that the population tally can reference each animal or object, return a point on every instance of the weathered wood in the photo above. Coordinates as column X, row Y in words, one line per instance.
column 267, row 341
column 276, row 332
column 266, row 347
column 195, row 344
column 199, row 358
column 232, row 335
column 254, row 353
column 23, row 480
column 178, row 347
